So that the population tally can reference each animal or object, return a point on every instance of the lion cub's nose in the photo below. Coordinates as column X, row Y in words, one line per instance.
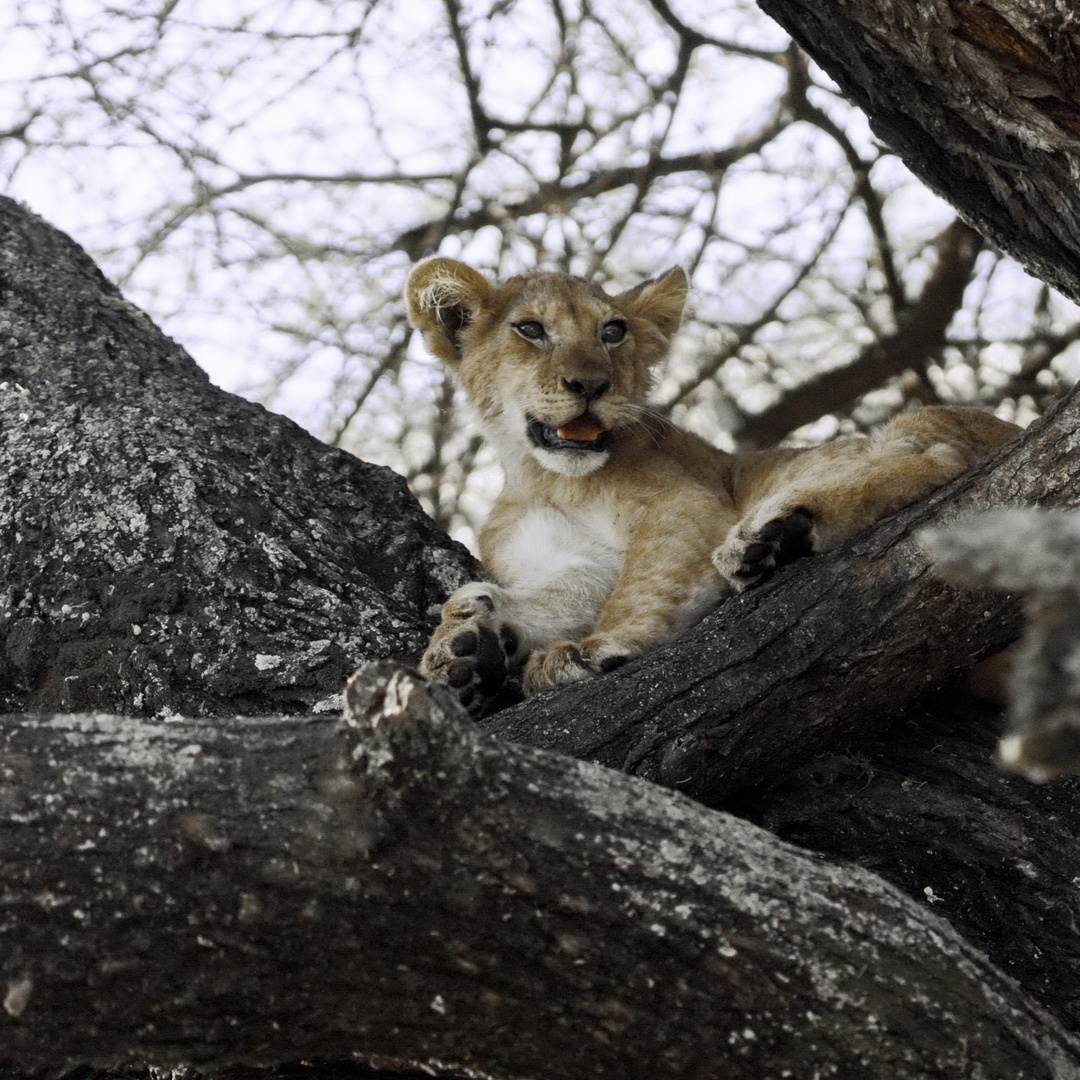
column 587, row 389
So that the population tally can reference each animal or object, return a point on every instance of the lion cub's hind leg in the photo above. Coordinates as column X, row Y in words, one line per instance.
column 822, row 497
column 474, row 648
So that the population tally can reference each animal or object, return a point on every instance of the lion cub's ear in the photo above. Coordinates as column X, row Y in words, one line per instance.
column 442, row 297
column 660, row 300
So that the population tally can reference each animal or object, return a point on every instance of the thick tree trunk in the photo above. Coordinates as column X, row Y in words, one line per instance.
column 165, row 547
column 400, row 887
column 979, row 97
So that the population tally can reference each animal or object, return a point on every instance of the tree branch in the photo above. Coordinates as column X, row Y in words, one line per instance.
column 402, row 888
column 803, row 108
column 926, row 806
column 921, row 332
column 977, row 100
column 1037, row 553
column 561, row 197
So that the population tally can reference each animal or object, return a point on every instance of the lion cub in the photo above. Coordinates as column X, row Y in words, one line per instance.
column 615, row 530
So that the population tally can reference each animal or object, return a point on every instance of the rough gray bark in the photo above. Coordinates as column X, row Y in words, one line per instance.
column 981, row 100
column 170, row 889
column 832, row 649
column 165, row 547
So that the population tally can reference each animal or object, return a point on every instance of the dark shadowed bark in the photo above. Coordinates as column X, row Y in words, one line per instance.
column 925, row 806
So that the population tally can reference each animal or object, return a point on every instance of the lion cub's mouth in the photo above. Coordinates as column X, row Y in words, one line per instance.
column 584, row 432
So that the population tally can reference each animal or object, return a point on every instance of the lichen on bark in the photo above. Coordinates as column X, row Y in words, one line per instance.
column 167, row 548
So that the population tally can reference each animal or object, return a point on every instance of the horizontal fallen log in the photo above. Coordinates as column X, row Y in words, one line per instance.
column 400, row 888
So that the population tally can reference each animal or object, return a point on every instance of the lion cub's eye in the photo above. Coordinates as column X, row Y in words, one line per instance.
column 613, row 332
column 530, row 329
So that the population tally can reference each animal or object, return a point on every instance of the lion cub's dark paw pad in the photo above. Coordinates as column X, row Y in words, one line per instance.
column 479, row 669
column 474, row 663
column 464, row 644
column 778, row 542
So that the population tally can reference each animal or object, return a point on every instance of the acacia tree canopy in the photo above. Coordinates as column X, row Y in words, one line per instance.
column 304, row 154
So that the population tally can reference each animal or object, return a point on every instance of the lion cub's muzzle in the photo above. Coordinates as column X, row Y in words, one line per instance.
column 584, row 432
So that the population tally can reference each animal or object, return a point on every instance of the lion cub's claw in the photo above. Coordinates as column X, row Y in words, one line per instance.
column 571, row 661
column 471, row 651
column 750, row 561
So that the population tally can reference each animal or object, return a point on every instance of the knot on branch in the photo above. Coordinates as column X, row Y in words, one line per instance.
column 1037, row 553
column 382, row 692
column 413, row 731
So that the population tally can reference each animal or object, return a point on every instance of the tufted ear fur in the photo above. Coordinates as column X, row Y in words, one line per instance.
column 660, row 300
column 442, row 297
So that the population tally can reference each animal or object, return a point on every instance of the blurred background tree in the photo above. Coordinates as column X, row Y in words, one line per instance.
column 259, row 176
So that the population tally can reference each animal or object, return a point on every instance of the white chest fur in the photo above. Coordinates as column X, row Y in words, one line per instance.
column 551, row 546
column 561, row 563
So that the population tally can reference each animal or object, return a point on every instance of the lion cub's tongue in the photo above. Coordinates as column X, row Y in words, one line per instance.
column 584, row 429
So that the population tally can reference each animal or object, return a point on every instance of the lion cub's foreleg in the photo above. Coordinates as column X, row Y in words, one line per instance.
column 665, row 583
column 575, row 603
column 487, row 632
column 816, row 500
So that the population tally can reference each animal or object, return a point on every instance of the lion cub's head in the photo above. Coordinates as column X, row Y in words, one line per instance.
column 555, row 366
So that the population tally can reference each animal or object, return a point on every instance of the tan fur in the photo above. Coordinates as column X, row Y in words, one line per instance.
column 603, row 548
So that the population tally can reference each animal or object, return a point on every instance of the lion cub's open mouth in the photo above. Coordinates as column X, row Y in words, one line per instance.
column 584, row 432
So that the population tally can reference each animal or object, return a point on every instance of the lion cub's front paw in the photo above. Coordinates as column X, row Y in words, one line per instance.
column 472, row 649
column 751, row 560
column 571, row 661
